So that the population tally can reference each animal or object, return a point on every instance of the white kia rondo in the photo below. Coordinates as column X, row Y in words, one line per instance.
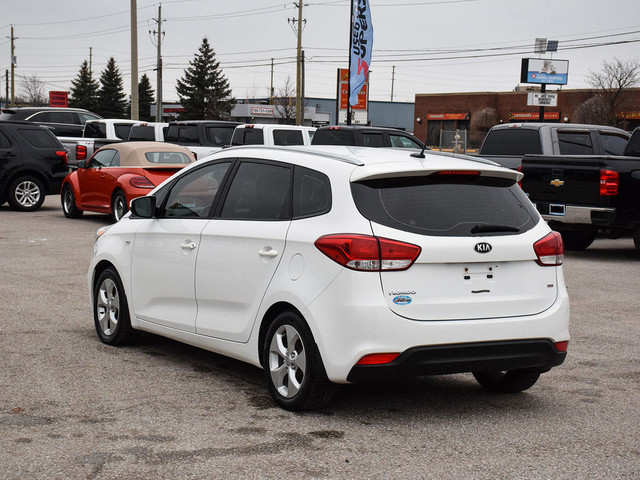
column 340, row 264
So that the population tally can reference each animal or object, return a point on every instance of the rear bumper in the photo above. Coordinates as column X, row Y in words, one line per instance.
column 539, row 354
column 596, row 216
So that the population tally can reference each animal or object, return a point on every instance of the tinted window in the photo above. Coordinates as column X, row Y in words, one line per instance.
column 258, row 192
column 122, row 130
column 613, row 144
column 633, row 148
column 167, row 157
column 402, row 141
column 95, row 130
column 371, row 139
column 4, row 141
column 575, row 143
column 140, row 132
column 248, row 136
column 512, row 141
column 219, row 136
column 39, row 137
column 183, row 134
column 311, row 193
column 87, row 116
column 287, row 137
column 194, row 194
column 62, row 117
column 333, row 137
column 103, row 158
column 446, row 205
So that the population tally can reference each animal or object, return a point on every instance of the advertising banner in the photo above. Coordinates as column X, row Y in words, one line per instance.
column 361, row 47
column 59, row 99
column 547, row 71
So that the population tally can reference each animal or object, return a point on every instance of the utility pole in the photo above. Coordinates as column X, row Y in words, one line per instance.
column 158, row 43
column 6, row 88
column 91, row 62
column 299, row 107
column 271, row 90
column 393, row 78
column 13, row 69
column 134, row 61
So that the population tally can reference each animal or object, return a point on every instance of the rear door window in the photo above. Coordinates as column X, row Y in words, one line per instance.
column 333, row 137
column 39, row 137
column 446, row 205
column 613, row 144
column 372, row 139
column 512, row 141
column 575, row 143
column 402, row 141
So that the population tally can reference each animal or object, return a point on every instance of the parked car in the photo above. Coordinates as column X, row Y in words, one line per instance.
column 148, row 132
column 340, row 265
column 202, row 137
column 32, row 164
column 96, row 134
column 272, row 134
column 364, row 136
column 63, row 122
column 118, row 173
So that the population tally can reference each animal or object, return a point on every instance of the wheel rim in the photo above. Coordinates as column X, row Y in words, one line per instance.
column 27, row 193
column 118, row 207
column 108, row 306
column 287, row 361
column 67, row 201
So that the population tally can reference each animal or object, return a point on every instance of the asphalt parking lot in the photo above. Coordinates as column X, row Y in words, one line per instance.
column 73, row 408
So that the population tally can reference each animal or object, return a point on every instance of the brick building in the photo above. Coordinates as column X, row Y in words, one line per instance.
column 435, row 112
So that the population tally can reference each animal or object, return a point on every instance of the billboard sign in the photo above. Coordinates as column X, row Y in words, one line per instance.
column 59, row 99
column 547, row 71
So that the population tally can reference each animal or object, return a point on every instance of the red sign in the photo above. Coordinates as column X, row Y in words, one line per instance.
column 629, row 115
column 59, row 99
column 533, row 116
column 447, row 116
column 344, row 91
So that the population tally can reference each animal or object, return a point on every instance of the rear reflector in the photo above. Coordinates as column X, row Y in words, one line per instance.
column 608, row 183
column 550, row 250
column 141, row 182
column 378, row 358
column 368, row 253
column 562, row 346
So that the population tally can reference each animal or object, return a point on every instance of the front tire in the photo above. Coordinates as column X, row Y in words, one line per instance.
column 26, row 194
column 119, row 206
column 510, row 381
column 68, row 200
column 110, row 310
column 293, row 368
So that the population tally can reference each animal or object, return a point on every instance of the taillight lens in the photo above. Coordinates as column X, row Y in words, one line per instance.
column 368, row 253
column 520, row 170
column 608, row 183
column 81, row 152
column 550, row 250
column 141, row 182
column 63, row 154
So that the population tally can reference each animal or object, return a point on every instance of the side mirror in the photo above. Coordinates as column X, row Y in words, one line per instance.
column 143, row 207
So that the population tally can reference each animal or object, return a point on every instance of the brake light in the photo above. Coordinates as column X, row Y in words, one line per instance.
column 81, row 152
column 378, row 358
column 457, row 172
column 550, row 250
column 63, row 154
column 141, row 182
column 368, row 253
column 334, row 128
column 608, row 183
column 249, row 126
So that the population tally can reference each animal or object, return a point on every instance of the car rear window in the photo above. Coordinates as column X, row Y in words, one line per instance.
column 446, row 205
column 333, row 137
column 248, row 136
column 187, row 134
column 512, row 141
column 122, row 130
column 39, row 137
column 219, row 136
column 287, row 137
column 141, row 132
column 167, row 157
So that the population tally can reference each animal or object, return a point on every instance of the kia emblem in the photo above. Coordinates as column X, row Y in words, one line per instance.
column 482, row 247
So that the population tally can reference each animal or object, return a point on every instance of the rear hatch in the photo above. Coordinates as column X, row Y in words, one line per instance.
column 476, row 233
column 562, row 179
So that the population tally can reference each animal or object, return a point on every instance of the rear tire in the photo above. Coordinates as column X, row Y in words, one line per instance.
column 577, row 240
column 510, row 381
column 68, row 200
column 292, row 365
column 26, row 194
column 636, row 239
column 119, row 206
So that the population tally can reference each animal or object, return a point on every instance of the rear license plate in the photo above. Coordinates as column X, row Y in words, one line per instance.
column 555, row 209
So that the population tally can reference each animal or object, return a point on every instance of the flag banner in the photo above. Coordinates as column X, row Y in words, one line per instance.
column 361, row 47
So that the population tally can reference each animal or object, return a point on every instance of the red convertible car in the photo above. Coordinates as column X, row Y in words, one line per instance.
column 118, row 173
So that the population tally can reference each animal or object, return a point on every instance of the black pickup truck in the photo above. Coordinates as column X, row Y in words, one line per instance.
column 581, row 194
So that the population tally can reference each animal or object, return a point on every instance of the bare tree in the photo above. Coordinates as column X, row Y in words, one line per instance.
column 285, row 101
column 612, row 84
column 593, row 111
column 33, row 90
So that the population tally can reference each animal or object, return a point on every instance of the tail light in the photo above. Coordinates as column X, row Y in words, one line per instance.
column 63, row 154
column 141, row 182
column 608, row 183
column 550, row 250
column 520, row 170
column 81, row 152
column 368, row 253
column 378, row 358
column 562, row 346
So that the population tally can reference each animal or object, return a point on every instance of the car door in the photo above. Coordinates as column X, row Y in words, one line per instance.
column 9, row 159
column 241, row 248
column 167, row 246
column 91, row 180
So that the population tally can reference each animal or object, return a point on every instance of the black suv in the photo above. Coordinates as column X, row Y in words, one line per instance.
column 363, row 136
column 33, row 163
column 64, row 122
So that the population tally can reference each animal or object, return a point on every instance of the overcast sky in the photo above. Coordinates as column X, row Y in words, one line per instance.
column 435, row 45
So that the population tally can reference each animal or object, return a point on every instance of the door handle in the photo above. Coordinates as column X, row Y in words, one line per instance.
column 268, row 252
column 188, row 245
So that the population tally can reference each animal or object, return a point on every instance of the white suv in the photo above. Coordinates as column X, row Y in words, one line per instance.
column 340, row 264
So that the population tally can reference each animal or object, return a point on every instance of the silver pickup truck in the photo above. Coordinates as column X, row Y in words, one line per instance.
column 96, row 133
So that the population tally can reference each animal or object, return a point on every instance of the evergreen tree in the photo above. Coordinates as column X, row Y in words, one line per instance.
column 204, row 91
column 112, row 101
column 84, row 90
column 145, row 98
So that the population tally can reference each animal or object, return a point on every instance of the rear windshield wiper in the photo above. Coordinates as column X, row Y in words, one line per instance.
column 488, row 228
